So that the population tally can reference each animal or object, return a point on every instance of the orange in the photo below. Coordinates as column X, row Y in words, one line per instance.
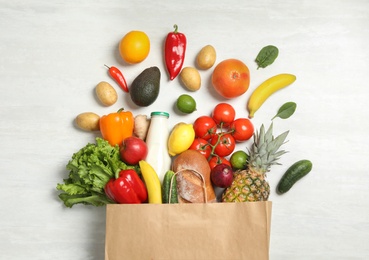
column 134, row 47
column 231, row 78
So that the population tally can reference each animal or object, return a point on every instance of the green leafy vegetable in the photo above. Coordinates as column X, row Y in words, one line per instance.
column 90, row 169
column 267, row 56
column 286, row 110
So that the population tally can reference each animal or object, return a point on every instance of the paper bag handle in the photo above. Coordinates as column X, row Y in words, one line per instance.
column 195, row 172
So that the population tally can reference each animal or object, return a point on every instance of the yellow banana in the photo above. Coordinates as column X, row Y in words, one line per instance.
column 267, row 88
column 152, row 182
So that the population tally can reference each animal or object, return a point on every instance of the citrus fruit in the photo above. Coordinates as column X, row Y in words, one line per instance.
column 180, row 138
column 186, row 104
column 239, row 160
column 134, row 47
column 231, row 78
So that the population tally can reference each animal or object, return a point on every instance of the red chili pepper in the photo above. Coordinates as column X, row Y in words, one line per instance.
column 175, row 50
column 128, row 188
column 117, row 75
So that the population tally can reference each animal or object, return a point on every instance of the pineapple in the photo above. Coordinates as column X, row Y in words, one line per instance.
column 251, row 184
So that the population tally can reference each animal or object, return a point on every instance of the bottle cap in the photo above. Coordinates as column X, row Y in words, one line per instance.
column 158, row 113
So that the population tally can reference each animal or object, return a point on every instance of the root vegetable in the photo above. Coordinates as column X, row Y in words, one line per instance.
column 141, row 126
column 88, row 121
column 106, row 93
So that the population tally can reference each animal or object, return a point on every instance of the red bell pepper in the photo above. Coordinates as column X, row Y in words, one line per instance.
column 175, row 50
column 128, row 188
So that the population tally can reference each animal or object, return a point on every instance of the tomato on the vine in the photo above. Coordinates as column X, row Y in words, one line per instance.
column 202, row 146
column 223, row 113
column 205, row 127
column 242, row 129
column 215, row 160
column 223, row 144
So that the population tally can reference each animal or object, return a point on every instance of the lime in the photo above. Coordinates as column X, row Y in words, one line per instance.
column 239, row 160
column 186, row 104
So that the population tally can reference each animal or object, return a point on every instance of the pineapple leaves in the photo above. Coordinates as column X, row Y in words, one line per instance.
column 265, row 150
column 286, row 110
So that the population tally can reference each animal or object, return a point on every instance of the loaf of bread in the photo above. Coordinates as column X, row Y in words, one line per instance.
column 193, row 178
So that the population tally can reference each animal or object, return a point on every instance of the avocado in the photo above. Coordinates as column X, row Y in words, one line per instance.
column 145, row 87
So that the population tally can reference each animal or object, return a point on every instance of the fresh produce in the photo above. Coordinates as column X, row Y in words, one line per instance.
column 202, row 146
column 141, row 126
column 152, row 182
column 286, row 110
column 175, row 51
column 117, row 75
column 239, row 160
column 88, row 121
column 205, row 127
column 190, row 78
column 242, row 129
column 106, row 93
column 128, row 188
column 133, row 150
column 186, row 104
column 206, row 58
column 115, row 127
column 180, row 138
column 216, row 135
column 267, row 56
column 222, row 175
column 223, row 144
column 251, row 184
column 231, row 78
column 294, row 173
column 266, row 89
column 145, row 87
column 223, row 114
column 89, row 170
column 170, row 194
column 134, row 47
column 216, row 159
column 193, row 178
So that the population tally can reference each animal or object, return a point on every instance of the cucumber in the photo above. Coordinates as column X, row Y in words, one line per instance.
column 169, row 175
column 293, row 174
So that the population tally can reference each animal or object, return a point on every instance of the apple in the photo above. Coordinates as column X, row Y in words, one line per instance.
column 231, row 78
column 133, row 150
column 222, row 175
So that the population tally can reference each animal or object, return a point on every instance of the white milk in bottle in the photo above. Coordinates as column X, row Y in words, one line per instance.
column 157, row 144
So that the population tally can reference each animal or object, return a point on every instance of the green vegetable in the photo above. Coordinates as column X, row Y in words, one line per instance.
column 90, row 169
column 170, row 188
column 286, row 110
column 293, row 174
column 267, row 56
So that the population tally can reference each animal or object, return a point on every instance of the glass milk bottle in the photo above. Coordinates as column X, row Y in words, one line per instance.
column 157, row 143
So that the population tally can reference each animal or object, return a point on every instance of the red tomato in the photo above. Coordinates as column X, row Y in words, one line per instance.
column 205, row 127
column 215, row 160
column 202, row 146
column 242, row 129
column 223, row 113
column 224, row 144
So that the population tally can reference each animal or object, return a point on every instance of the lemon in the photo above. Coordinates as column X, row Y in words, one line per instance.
column 180, row 138
column 186, row 104
column 134, row 47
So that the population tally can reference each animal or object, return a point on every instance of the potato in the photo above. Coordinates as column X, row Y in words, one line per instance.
column 191, row 78
column 88, row 121
column 205, row 59
column 106, row 93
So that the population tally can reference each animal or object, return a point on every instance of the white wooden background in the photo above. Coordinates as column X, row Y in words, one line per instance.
column 52, row 55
